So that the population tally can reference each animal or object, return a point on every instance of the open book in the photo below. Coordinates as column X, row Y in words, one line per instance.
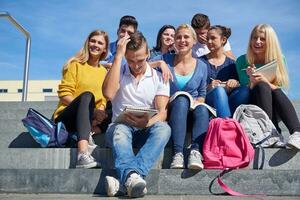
column 136, row 111
column 268, row 70
column 193, row 106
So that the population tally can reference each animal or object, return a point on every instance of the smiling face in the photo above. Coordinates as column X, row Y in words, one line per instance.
column 137, row 60
column 215, row 40
column 167, row 37
column 97, row 45
column 184, row 40
column 258, row 43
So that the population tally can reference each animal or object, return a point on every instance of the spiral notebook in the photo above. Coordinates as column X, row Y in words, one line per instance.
column 137, row 112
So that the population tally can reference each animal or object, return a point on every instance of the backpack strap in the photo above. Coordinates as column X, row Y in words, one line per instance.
column 57, row 131
column 258, row 149
column 227, row 189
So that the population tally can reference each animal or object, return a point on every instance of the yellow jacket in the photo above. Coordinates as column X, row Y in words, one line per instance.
column 79, row 78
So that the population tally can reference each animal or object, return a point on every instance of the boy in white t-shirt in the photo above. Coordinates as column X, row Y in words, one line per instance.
column 201, row 24
column 135, row 84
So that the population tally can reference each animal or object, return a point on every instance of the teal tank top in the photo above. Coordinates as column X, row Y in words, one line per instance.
column 182, row 80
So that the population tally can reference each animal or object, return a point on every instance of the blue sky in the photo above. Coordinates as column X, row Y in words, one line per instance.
column 58, row 28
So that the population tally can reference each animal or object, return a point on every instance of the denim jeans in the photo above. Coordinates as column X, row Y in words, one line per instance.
column 224, row 103
column 121, row 138
column 178, row 118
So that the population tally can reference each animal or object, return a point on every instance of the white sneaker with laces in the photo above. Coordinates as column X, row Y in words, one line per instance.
column 136, row 186
column 195, row 160
column 178, row 161
column 85, row 160
column 294, row 140
column 113, row 187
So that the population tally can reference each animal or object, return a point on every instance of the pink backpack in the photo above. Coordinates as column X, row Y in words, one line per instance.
column 226, row 146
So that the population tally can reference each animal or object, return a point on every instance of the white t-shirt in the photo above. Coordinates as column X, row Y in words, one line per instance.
column 201, row 49
column 138, row 93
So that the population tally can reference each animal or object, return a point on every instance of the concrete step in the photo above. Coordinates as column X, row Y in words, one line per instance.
column 65, row 158
column 38, row 105
column 16, row 196
column 159, row 182
column 18, row 110
column 14, row 134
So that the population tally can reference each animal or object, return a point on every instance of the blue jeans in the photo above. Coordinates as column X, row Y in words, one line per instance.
column 121, row 137
column 224, row 103
column 178, row 118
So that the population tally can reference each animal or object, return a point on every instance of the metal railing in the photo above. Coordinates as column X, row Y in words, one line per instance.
column 27, row 52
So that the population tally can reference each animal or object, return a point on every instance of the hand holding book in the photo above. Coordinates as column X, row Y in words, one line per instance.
column 135, row 116
column 136, row 121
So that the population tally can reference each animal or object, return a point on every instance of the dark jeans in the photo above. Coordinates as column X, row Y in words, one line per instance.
column 276, row 104
column 78, row 115
column 178, row 118
column 224, row 103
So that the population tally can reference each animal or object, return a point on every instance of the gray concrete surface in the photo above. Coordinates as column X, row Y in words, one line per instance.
column 159, row 182
column 64, row 158
column 25, row 168
column 147, row 197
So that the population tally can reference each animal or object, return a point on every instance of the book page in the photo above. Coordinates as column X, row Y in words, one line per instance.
column 268, row 70
column 178, row 93
column 211, row 109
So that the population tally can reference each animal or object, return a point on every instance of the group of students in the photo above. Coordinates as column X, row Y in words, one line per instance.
column 194, row 58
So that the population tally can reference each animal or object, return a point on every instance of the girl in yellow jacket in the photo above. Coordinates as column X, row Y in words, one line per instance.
column 82, row 105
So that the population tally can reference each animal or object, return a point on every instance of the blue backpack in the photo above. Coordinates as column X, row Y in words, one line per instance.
column 44, row 131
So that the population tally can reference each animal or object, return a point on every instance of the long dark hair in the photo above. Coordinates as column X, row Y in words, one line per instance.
column 160, row 32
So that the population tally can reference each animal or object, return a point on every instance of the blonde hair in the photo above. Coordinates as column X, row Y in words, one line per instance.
column 82, row 55
column 273, row 51
column 189, row 27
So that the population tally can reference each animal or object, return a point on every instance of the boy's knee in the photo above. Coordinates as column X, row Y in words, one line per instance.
column 163, row 129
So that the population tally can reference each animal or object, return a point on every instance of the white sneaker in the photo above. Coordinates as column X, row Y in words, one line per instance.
column 294, row 140
column 178, row 161
column 136, row 186
column 195, row 160
column 113, row 187
column 85, row 160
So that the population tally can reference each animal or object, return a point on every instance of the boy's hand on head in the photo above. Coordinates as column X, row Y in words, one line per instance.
column 121, row 45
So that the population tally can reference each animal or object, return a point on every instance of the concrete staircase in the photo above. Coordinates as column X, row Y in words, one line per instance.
column 27, row 168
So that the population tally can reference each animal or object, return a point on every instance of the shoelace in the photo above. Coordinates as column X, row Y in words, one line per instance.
column 131, row 178
column 196, row 154
column 91, row 157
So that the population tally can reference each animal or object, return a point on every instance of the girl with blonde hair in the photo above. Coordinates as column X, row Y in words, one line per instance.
column 263, row 48
column 82, row 105
column 189, row 75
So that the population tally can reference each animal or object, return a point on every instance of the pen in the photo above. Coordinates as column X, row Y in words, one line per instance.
column 223, row 82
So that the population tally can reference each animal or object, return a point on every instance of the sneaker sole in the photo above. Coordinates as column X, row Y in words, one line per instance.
column 88, row 166
column 177, row 167
column 196, row 166
column 292, row 146
column 137, row 190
